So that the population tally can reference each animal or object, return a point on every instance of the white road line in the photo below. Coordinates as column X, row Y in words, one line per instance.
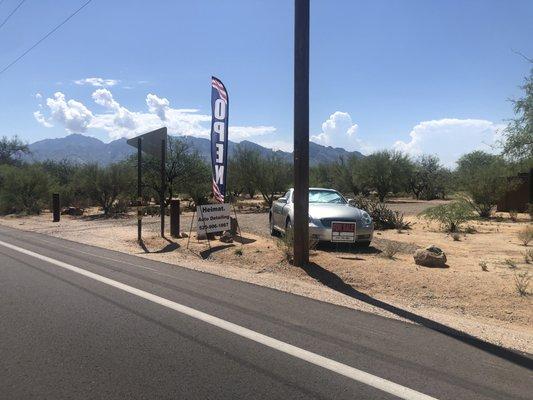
column 313, row 358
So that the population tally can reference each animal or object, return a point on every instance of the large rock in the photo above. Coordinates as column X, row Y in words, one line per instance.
column 431, row 256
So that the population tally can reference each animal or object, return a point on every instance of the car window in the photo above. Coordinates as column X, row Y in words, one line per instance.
column 287, row 196
column 325, row 196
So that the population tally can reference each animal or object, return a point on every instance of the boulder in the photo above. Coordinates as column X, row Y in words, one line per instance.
column 226, row 237
column 431, row 256
column 72, row 211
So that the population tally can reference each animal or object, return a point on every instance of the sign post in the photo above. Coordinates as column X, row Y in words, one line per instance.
column 153, row 143
column 301, row 132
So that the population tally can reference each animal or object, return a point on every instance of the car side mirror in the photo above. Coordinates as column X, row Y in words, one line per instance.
column 282, row 200
column 351, row 202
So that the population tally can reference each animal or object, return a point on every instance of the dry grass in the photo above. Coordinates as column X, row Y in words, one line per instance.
column 390, row 249
column 525, row 235
column 484, row 265
column 522, row 282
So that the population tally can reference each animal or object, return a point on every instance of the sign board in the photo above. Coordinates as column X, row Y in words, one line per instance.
column 212, row 218
column 343, row 232
column 151, row 141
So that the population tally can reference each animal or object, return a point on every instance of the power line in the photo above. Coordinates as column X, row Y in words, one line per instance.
column 12, row 12
column 45, row 36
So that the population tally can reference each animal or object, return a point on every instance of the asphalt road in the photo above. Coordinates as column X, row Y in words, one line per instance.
column 89, row 323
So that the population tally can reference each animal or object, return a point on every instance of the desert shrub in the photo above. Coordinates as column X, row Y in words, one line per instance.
column 513, row 215
column 522, row 282
column 525, row 235
column 286, row 245
column 383, row 216
column 484, row 265
column 510, row 263
column 24, row 188
column 238, row 252
column 451, row 216
column 391, row 248
column 528, row 256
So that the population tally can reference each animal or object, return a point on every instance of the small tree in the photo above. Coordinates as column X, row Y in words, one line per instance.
column 104, row 185
column 243, row 170
column 386, row 172
column 12, row 149
column 518, row 136
column 273, row 175
column 483, row 177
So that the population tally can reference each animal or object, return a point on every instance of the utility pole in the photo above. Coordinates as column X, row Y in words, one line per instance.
column 301, row 132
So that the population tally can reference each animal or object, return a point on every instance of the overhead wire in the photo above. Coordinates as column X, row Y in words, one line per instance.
column 45, row 36
column 11, row 14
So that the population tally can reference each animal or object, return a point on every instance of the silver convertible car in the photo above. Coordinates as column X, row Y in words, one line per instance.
column 331, row 217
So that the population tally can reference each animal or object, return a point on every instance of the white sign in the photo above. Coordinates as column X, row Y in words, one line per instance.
column 212, row 218
column 343, row 232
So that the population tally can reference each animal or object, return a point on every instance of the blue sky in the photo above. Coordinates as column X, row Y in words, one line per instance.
column 418, row 76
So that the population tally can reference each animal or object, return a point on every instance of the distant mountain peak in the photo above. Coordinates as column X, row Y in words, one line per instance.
column 87, row 149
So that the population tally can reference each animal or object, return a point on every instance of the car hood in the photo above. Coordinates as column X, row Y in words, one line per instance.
column 344, row 211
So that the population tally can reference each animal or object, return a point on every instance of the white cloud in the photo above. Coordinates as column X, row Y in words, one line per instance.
column 339, row 131
column 73, row 115
column 449, row 138
column 98, row 82
column 38, row 96
column 42, row 120
column 157, row 105
column 118, row 121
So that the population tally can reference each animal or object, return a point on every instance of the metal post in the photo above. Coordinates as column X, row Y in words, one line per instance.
column 174, row 217
column 56, row 208
column 163, row 186
column 139, row 190
column 301, row 132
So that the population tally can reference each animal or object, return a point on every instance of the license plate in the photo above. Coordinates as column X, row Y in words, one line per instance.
column 343, row 232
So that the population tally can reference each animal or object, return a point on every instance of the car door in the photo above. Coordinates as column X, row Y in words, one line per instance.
column 286, row 209
column 277, row 210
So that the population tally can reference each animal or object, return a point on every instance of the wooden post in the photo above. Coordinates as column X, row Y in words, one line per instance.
column 163, row 186
column 139, row 190
column 56, row 207
column 301, row 132
column 175, row 217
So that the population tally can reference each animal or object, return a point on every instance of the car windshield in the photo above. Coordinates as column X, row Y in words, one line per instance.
column 325, row 196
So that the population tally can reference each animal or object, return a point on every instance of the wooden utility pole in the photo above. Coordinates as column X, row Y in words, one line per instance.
column 139, row 190
column 301, row 132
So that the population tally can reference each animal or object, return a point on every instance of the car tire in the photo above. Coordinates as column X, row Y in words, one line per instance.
column 363, row 244
column 288, row 226
column 273, row 231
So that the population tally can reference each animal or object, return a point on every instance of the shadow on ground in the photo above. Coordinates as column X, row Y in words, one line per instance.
column 171, row 246
column 336, row 283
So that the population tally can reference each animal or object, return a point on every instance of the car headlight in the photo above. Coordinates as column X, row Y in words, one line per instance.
column 367, row 219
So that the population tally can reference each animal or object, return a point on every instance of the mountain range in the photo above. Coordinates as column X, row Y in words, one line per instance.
column 86, row 149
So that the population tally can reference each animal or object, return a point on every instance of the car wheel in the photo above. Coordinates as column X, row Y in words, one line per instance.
column 288, row 226
column 273, row 230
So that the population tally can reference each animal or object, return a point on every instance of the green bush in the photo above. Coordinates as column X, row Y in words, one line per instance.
column 23, row 189
column 383, row 216
column 451, row 216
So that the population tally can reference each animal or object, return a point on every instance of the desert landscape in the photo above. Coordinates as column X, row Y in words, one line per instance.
column 478, row 293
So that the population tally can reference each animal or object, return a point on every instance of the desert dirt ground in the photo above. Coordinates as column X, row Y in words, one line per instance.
column 484, row 304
